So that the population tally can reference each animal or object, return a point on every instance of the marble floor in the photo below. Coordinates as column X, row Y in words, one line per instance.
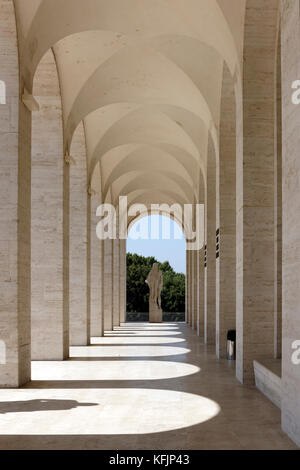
column 140, row 387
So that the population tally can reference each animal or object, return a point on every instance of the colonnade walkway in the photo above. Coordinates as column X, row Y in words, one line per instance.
column 142, row 386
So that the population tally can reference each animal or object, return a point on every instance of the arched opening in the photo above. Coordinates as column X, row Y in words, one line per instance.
column 152, row 239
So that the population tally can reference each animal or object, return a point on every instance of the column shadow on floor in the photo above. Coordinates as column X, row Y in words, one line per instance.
column 40, row 405
column 246, row 418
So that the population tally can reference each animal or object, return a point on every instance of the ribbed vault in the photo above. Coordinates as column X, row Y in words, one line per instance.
column 145, row 80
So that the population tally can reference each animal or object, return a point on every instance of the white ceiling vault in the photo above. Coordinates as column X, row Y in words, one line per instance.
column 145, row 79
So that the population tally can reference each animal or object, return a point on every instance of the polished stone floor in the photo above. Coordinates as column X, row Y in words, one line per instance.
column 140, row 387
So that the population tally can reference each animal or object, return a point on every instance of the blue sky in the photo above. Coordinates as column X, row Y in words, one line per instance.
column 172, row 250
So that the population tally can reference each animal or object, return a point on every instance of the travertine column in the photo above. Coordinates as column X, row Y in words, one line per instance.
column 200, row 311
column 290, row 403
column 210, row 274
column 255, row 205
column 192, row 278
column 186, row 287
column 278, row 215
column 226, row 218
column 79, row 311
column 108, row 285
column 15, row 129
column 189, row 287
column 50, row 207
column 123, row 268
column 194, row 289
column 116, row 282
column 96, row 271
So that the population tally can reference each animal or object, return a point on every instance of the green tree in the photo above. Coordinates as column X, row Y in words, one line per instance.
column 173, row 293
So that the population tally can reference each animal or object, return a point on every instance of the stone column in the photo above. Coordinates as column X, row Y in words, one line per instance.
column 200, row 311
column 108, row 285
column 50, row 221
column 210, row 275
column 189, row 287
column 278, row 215
column 290, row 404
column 123, row 268
column 226, row 218
column 116, row 282
column 195, row 289
column 255, row 203
column 79, row 311
column 186, row 287
column 15, row 130
column 96, row 269
column 192, row 279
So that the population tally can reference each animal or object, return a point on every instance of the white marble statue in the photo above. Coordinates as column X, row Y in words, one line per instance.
column 155, row 283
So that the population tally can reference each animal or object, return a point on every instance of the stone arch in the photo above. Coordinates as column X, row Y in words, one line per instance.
column 172, row 216
column 159, row 161
column 204, row 19
column 139, row 180
column 138, row 62
column 121, row 134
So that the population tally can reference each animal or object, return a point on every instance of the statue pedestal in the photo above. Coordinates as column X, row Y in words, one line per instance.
column 155, row 313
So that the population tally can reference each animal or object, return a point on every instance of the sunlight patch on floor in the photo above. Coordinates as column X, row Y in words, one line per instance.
column 108, row 340
column 141, row 333
column 126, row 351
column 100, row 412
column 110, row 370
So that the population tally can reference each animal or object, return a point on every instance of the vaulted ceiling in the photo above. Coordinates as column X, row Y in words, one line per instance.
column 145, row 79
